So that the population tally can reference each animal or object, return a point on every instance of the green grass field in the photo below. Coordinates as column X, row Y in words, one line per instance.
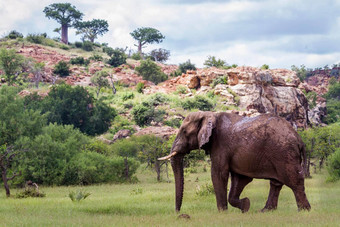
column 149, row 203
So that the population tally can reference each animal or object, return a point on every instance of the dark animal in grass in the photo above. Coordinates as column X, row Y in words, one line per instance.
column 265, row 147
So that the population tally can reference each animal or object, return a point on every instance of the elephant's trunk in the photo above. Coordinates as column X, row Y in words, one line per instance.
column 177, row 166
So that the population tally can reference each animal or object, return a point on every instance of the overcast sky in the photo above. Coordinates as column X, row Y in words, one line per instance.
column 279, row 33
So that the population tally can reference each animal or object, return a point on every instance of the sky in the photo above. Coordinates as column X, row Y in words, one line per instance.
column 279, row 33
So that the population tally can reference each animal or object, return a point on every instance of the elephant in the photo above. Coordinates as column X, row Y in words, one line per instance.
column 263, row 147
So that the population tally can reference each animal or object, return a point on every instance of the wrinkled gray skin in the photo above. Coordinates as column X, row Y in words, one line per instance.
column 265, row 147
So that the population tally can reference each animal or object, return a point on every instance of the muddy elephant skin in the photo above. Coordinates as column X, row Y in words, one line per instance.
column 265, row 147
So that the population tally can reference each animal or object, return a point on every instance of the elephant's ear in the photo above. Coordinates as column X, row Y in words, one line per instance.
column 208, row 124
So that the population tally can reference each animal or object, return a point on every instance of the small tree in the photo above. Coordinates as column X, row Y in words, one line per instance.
column 146, row 35
column 38, row 72
column 10, row 63
column 91, row 29
column 7, row 157
column 149, row 70
column 118, row 57
column 100, row 81
column 213, row 62
column 186, row 66
column 65, row 14
column 160, row 55
column 62, row 69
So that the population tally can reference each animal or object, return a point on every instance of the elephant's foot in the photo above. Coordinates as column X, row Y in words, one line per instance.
column 305, row 206
column 268, row 208
column 245, row 205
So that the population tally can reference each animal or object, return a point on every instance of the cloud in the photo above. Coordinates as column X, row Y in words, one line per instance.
column 246, row 32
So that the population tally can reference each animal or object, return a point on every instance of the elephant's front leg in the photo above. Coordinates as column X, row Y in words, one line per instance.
column 219, row 178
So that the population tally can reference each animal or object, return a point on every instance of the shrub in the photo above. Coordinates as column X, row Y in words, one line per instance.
column 144, row 115
column 213, row 62
column 265, row 66
column 136, row 56
column 174, row 122
column 186, row 66
column 181, row 89
column 118, row 57
column 35, row 38
column 220, row 80
column 10, row 63
column 156, row 99
column 108, row 50
column 76, row 106
column 78, row 44
column 62, row 69
column 96, row 57
column 149, row 70
column 160, row 55
column 87, row 46
column 14, row 34
column 198, row 102
column 140, row 87
column 78, row 195
column 79, row 61
column 334, row 165
column 120, row 123
column 30, row 192
column 64, row 47
column 127, row 96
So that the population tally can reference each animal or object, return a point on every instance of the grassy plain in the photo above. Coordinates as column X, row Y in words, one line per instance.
column 149, row 203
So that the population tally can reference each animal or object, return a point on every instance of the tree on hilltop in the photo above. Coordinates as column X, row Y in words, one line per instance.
column 146, row 35
column 91, row 29
column 66, row 15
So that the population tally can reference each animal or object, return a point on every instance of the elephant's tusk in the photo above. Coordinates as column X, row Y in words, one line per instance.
column 168, row 157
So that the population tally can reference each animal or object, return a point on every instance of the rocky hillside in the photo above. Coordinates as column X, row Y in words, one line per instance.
column 244, row 90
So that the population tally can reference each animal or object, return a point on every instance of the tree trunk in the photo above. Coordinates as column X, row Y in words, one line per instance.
column 177, row 166
column 140, row 48
column 4, row 179
column 64, row 33
column 126, row 168
column 158, row 170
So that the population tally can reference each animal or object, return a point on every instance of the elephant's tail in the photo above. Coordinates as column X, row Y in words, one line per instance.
column 303, row 157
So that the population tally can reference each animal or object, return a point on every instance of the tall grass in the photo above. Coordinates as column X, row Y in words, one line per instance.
column 153, row 205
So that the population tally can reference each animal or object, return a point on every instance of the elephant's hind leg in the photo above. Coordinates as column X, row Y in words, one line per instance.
column 238, row 182
column 273, row 197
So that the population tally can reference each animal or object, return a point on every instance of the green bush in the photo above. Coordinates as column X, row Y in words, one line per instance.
column 96, row 57
column 108, row 50
column 78, row 44
column 64, row 47
column 136, row 56
column 181, row 89
column 140, row 87
column 156, row 99
column 79, row 61
column 118, row 57
column 149, row 70
column 334, row 165
column 198, row 102
column 78, row 196
column 128, row 95
column 76, row 106
column 62, row 69
column 213, row 62
column 11, row 64
column 35, row 38
column 220, row 80
column 186, row 66
column 120, row 123
column 14, row 34
column 87, row 46
column 174, row 122
column 144, row 114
